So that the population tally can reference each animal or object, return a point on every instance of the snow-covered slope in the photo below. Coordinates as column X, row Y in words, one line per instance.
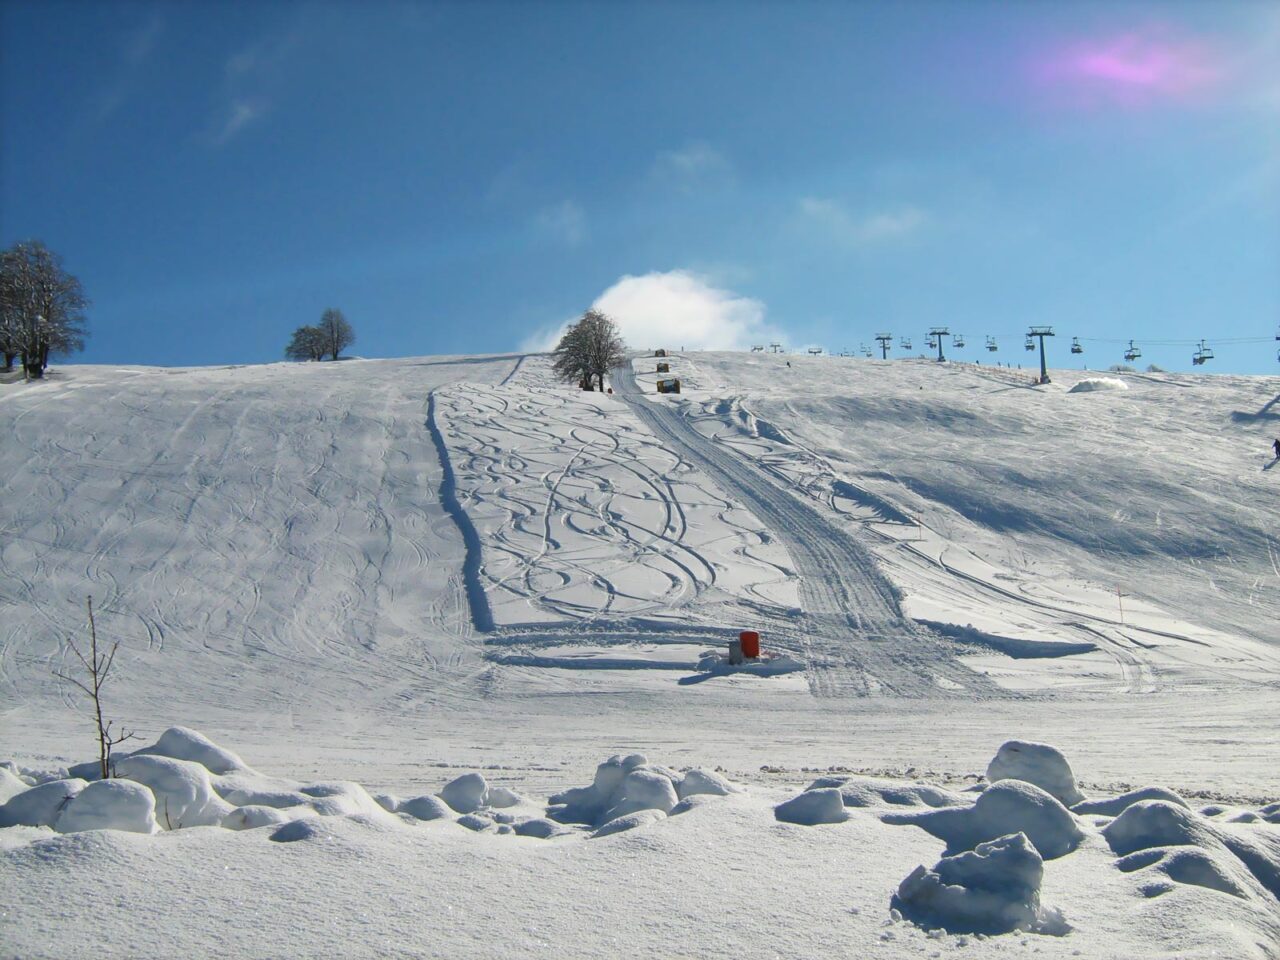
column 399, row 571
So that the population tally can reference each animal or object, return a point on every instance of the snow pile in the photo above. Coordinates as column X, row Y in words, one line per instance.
column 1037, row 763
column 40, row 806
column 1188, row 849
column 428, row 807
column 467, row 794
column 1090, row 384
column 860, row 791
column 1114, row 806
column 11, row 784
column 627, row 785
column 110, row 805
column 1004, row 807
column 814, row 806
column 184, row 794
column 995, row 888
column 183, row 744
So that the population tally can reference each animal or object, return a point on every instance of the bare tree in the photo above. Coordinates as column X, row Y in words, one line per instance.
column 589, row 349
column 41, row 307
column 98, row 669
column 308, row 343
column 336, row 331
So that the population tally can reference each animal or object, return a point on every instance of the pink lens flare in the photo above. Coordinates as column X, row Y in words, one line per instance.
column 1136, row 68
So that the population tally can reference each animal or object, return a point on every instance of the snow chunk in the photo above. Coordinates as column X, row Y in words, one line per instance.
column 295, row 830
column 1153, row 823
column 698, row 781
column 184, row 794
column 474, row 821
column 426, row 808
column 1010, row 805
column 502, row 797
column 344, row 798
column 184, row 744
column 40, row 806
column 539, row 827
column 629, row 822
column 1091, row 384
column 643, row 789
column 10, row 785
column 467, row 793
column 823, row 805
column 1115, row 806
column 110, row 805
column 1037, row 763
column 874, row 791
column 993, row 889
column 252, row 817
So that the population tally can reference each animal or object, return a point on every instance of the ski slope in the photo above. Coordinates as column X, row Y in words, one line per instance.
column 397, row 571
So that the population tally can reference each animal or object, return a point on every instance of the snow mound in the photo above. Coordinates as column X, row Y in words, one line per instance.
column 10, row 785
column 539, row 827
column 640, row 818
column 474, row 821
column 874, row 791
column 993, row 889
column 252, row 817
column 698, row 781
column 344, row 798
column 260, row 796
column 1037, row 763
column 1004, row 807
column 467, row 793
column 502, row 797
column 626, row 785
column 823, row 805
column 110, row 805
column 295, row 830
column 181, row 743
column 1115, row 806
column 1154, row 823
column 643, row 789
column 426, row 808
column 1092, row 384
column 184, row 793
column 40, row 806
column 1187, row 865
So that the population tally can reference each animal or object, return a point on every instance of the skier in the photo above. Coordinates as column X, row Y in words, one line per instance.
column 1277, row 446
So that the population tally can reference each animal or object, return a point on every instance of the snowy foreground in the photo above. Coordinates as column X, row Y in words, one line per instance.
column 426, row 598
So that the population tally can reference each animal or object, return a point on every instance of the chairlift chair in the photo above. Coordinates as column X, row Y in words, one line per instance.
column 1202, row 354
column 1075, row 345
column 991, row 344
column 906, row 343
column 1133, row 353
column 958, row 340
column 1029, row 344
column 931, row 343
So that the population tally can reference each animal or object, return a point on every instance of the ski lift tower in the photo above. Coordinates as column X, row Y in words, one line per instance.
column 1041, row 332
column 885, row 339
column 936, row 334
column 775, row 348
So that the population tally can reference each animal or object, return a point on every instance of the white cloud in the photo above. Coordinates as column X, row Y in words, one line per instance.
column 860, row 231
column 677, row 309
column 566, row 221
column 693, row 167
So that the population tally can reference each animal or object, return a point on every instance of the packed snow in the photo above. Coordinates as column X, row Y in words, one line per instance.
column 1017, row 691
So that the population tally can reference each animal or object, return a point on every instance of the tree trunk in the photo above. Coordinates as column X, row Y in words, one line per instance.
column 33, row 369
column 8, row 361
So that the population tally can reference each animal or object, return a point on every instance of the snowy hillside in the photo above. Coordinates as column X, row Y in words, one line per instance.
column 395, row 573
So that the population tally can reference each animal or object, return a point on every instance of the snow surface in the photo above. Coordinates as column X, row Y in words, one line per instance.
column 404, row 572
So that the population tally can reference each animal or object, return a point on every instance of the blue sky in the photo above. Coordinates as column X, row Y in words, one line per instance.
column 464, row 177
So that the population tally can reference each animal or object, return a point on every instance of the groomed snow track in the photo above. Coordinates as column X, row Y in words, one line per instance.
column 857, row 641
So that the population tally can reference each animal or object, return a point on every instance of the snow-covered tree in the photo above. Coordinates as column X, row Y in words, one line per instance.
column 336, row 331
column 41, row 307
column 589, row 349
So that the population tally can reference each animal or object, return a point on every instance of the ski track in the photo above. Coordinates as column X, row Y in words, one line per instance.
column 859, row 643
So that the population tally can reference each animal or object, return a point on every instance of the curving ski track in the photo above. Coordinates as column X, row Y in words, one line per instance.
column 857, row 641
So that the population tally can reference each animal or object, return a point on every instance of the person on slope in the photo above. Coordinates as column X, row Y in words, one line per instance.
column 1277, row 446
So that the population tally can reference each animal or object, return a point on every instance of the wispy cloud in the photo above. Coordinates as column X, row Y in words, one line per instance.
column 837, row 222
column 136, row 48
column 249, row 86
column 691, row 168
column 566, row 221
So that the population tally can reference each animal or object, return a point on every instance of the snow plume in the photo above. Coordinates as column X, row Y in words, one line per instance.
column 677, row 309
